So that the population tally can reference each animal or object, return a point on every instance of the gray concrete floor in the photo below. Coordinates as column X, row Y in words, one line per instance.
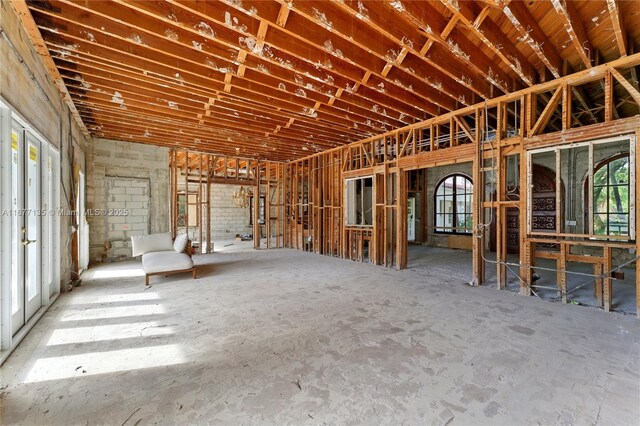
column 580, row 287
column 285, row 337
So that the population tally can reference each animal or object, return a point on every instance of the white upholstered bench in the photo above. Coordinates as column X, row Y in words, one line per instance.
column 162, row 256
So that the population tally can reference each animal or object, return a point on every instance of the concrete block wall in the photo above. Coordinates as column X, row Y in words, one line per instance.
column 130, row 176
column 227, row 219
column 129, row 196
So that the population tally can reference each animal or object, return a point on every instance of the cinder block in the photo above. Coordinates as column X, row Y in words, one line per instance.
column 134, row 204
column 116, row 190
column 135, row 191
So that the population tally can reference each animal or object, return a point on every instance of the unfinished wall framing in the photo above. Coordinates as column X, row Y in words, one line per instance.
column 193, row 176
column 496, row 136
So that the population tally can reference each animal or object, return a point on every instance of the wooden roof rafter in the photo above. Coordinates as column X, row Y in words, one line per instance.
column 95, row 66
column 275, row 79
column 140, row 50
column 366, row 56
column 398, row 52
column 258, row 147
column 22, row 10
column 618, row 26
column 255, row 133
column 577, row 34
column 422, row 15
column 278, row 41
column 485, row 29
column 531, row 33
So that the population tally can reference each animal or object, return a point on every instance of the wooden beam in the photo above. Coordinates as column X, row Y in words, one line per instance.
column 439, row 74
column 492, row 37
column 547, row 112
column 618, row 27
column 26, row 19
column 283, row 15
column 574, row 27
column 420, row 15
column 633, row 91
column 465, row 127
column 531, row 33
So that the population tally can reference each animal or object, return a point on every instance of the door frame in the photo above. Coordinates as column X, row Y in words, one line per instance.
column 49, row 288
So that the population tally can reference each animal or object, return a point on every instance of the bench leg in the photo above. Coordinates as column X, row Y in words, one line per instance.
column 147, row 280
column 194, row 273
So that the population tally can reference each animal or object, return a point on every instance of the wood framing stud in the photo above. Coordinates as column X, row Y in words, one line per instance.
column 283, row 15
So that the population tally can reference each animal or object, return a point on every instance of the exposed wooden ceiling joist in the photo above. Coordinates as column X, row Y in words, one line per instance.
column 618, row 26
column 277, row 79
column 574, row 27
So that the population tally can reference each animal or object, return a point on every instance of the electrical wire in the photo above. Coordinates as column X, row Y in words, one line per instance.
column 482, row 226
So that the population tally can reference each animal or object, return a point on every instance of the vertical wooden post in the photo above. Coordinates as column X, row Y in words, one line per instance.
column 174, row 193
column 608, row 265
column 431, row 138
column 608, row 97
column 401, row 219
column 526, row 253
column 267, row 203
column 637, row 214
column 385, row 231
column 200, row 204
column 256, row 206
column 501, row 228
column 452, row 132
column 566, row 107
column 597, row 270
column 561, row 266
column 186, row 193
column 478, row 209
column 208, row 205
column 532, row 112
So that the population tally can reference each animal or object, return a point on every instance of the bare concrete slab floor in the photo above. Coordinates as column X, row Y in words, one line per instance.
column 284, row 337
column 580, row 287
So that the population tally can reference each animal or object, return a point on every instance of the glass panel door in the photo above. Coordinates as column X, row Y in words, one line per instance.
column 32, row 223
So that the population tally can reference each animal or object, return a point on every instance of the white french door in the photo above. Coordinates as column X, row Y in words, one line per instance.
column 27, row 212
column 29, row 226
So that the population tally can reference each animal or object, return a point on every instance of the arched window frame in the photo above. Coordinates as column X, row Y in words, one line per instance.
column 456, row 227
column 606, row 186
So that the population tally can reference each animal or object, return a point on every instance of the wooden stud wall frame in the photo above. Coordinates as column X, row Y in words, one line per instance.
column 449, row 139
column 199, row 171
column 305, row 203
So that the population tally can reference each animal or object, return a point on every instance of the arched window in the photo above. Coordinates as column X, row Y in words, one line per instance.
column 611, row 196
column 453, row 205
